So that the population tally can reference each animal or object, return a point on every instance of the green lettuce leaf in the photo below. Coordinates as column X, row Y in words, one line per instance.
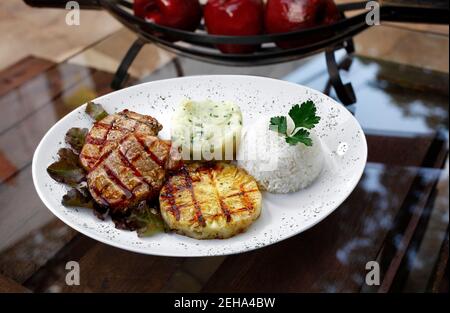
column 67, row 169
column 148, row 220
column 96, row 111
column 75, row 138
column 78, row 198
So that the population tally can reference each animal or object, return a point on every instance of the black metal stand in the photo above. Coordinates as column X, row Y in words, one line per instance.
column 121, row 75
column 200, row 45
column 344, row 92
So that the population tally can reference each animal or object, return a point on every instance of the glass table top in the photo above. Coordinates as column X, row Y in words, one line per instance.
column 397, row 215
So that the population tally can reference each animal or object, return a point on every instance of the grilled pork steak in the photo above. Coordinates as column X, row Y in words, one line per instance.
column 126, row 162
column 106, row 134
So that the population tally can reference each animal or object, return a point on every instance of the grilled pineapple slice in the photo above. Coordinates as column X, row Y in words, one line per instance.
column 207, row 201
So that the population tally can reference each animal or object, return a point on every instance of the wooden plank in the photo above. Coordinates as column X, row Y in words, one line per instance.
column 193, row 274
column 123, row 271
column 398, row 146
column 395, row 248
column 41, row 90
column 404, row 46
column 439, row 281
column 405, row 237
column 21, row 214
column 43, row 32
column 55, row 268
column 18, row 143
column 7, row 285
column 23, row 70
column 25, row 257
column 21, row 210
column 106, row 269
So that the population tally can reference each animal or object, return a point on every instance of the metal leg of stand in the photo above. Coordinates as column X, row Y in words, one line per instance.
column 344, row 92
column 178, row 67
column 121, row 75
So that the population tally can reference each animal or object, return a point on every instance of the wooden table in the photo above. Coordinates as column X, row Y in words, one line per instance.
column 397, row 215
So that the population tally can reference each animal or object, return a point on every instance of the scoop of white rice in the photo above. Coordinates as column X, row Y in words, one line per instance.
column 277, row 166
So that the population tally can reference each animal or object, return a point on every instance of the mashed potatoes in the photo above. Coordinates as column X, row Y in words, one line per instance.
column 277, row 166
column 207, row 130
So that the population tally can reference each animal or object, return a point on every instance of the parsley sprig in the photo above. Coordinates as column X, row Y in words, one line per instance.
column 304, row 118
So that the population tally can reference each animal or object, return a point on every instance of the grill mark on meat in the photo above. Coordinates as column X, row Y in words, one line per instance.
column 98, row 193
column 136, row 172
column 90, row 160
column 247, row 203
column 100, row 141
column 105, row 138
column 96, row 141
column 149, row 152
column 135, row 158
column 112, row 176
column 223, row 205
column 103, row 125
column 102, row 158
column 170, row 196
column 124, row 114
column 113, row 126
column 109, row 128
column 198, row 210
column 89, row 157
column 127, row 163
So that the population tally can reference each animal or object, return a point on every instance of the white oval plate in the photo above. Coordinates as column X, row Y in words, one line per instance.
column 282, row 216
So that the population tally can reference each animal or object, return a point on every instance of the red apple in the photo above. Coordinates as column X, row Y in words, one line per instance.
column 235, row 18
column 181, row 14
column 140, row 7
column 291, row 15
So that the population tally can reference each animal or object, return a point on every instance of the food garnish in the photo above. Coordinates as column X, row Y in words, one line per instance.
column 96, row 111
column 67, row 169
column 78, row 197
column 304, row 117
column 76, row 137
column 147, row 220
